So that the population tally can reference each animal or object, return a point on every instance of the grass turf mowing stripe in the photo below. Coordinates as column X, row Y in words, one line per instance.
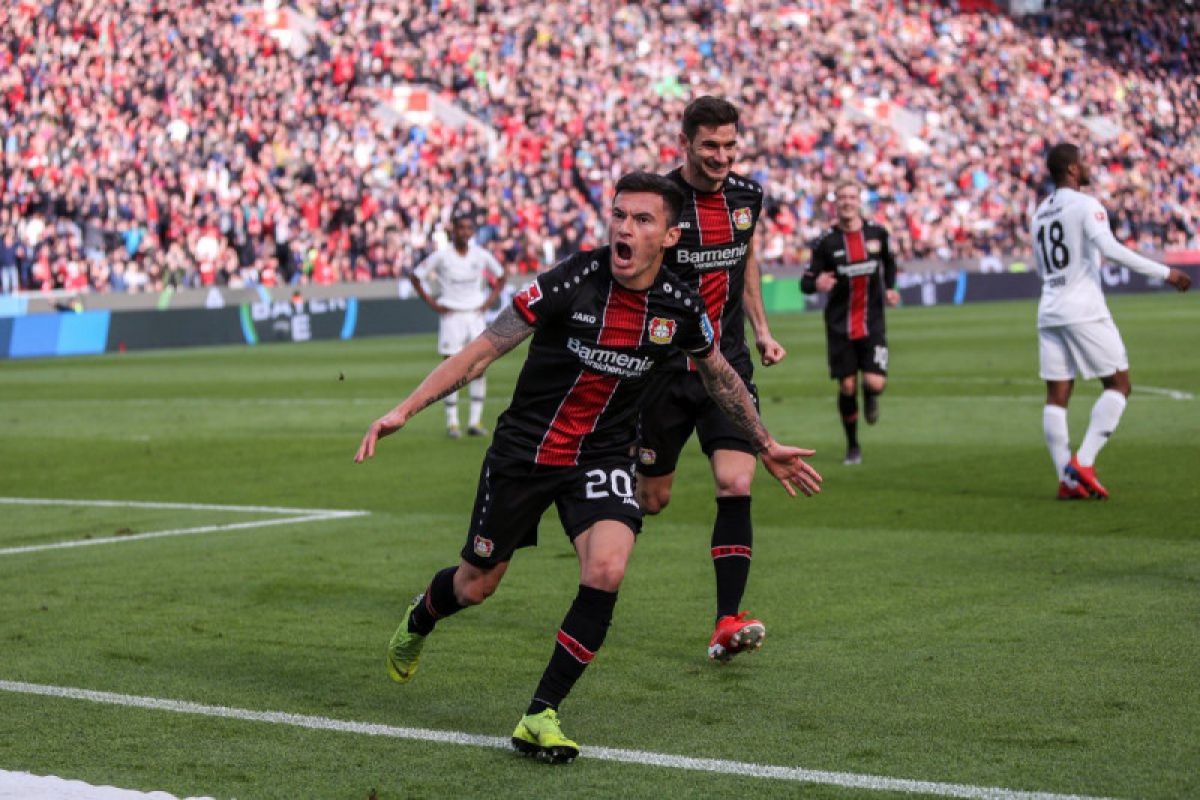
column 747, row 769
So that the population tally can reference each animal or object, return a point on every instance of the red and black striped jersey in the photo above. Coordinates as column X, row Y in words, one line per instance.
column 711, row 255
column 594, row 345
column 865, row 268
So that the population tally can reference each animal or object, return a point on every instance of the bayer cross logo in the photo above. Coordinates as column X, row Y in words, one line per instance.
column 662, row 330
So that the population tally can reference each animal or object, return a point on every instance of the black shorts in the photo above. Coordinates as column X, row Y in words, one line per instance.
column 513, row 496
column 850, row 356
column 675, row 405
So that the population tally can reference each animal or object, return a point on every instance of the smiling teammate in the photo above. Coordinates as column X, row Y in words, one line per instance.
column 715, row 258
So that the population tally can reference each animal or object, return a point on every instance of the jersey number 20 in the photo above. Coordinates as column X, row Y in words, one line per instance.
column 1058, row 256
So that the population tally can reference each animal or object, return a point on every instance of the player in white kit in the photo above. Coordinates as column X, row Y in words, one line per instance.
column 460, row 272
column 1076, row 333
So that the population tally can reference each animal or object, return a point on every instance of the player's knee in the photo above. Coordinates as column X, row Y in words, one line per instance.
column 736, row 485
column 1120, row 383
column 605, row 574
column 474, row 591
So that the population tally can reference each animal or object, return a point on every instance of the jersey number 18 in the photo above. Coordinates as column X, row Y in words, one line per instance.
column 1057, row 256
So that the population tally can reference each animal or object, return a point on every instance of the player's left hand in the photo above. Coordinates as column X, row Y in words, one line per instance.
column 384, row 426
column 771, row 351
column 788, row 466
column 892, row 297
column 1179, row 279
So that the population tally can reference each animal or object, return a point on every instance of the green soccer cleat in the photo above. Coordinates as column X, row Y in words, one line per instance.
column 404, row 650
column 540, row 735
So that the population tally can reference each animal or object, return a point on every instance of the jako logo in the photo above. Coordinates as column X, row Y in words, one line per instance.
column 579, row 316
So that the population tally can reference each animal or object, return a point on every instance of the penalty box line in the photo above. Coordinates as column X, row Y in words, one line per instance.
column 297, row 516
column 663, row 760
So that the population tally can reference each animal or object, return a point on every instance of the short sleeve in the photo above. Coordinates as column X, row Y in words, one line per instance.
column 491, row 264
column 538, row 301
column 430, row 264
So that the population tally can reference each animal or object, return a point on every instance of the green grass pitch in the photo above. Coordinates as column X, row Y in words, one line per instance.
column 933, row 615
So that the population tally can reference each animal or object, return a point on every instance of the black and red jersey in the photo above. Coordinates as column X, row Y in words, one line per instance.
column 865, row 268
column 594, row 346
column 711, row 256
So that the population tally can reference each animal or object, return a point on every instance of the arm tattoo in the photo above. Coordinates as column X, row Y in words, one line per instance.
column 728, row 391
column 507, row 331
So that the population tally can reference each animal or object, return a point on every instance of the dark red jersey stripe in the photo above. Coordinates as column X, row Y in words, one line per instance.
column 856, row 252
column 622, row 326
column 624, row 318
column 712, row 215
column 726, row 550
column 577, row 416
column 581, row 653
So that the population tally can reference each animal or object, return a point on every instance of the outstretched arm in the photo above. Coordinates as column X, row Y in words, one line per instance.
column 728, row 391
column 1096, row 228
column 771, row 351
column 506, row 332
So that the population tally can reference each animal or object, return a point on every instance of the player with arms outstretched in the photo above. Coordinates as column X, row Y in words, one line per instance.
column 1076, row 333
column 602, row 322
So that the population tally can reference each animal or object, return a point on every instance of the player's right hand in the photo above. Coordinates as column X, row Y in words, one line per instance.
column 826, row 281
column 1179, row 279
column 788, row 466
column 384, row 426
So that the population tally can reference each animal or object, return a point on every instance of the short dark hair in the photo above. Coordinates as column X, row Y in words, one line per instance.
column 710, row 111
column 664, row 187
column 1060, row 158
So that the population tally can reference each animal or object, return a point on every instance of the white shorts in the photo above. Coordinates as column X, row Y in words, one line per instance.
column 1086, row 349
column 456, row 329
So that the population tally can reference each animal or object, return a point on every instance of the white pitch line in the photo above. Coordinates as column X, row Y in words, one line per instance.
column 1174, row 394
column 299, row 515
column 54, row 501
column 233, row 526
column 742, row 768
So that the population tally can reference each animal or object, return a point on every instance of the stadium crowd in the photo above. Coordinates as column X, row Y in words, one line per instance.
column 154, row 143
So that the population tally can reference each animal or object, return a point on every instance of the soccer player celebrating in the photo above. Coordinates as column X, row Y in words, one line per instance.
column 715, row 258
column 852, row 262
column 602, row 321
column 1076, row 333
column 462, row 272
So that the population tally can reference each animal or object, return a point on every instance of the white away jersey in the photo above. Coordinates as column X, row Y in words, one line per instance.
column 462, row 279
column 1070, row 233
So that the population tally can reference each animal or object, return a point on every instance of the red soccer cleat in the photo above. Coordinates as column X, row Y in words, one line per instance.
column 1086, row 477
column 1076, row 492
column 735, row 635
